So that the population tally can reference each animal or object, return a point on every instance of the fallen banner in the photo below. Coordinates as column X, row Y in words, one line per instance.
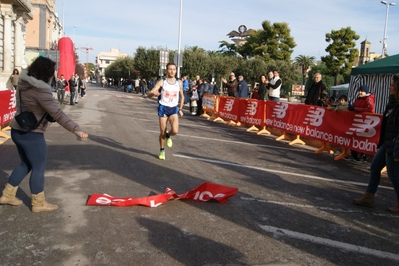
column 204, row 192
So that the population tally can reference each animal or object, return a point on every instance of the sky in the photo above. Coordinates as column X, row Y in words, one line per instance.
column 129, row 24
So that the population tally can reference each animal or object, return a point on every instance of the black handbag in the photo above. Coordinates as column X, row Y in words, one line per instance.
column 27, row 120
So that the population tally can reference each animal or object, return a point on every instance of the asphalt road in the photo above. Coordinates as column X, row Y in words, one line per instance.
column 293, row 207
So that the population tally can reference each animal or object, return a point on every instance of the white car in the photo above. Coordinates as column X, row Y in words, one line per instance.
column 93, row 81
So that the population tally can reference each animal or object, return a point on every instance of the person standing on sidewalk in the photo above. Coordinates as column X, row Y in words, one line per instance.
column 61, row 84
column 78, row 86
column 169, row 91
column 35, row 95
column 72, row 89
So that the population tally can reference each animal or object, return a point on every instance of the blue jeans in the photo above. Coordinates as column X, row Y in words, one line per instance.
column 393, row 173
column 186, row 99
column 275, row 99
column 377, row 164
column 72, row 99
column 32, row 150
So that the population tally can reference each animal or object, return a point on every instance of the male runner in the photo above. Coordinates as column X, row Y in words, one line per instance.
column 170, row 90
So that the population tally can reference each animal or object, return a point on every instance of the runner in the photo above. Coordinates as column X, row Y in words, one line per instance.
column 170, row 91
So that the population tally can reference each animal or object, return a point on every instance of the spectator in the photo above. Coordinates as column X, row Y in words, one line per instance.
column 231, row 85
column 363, row 103
column 334, row 98
column 342, row 103
column 242, row 88
column 317, row 93
column 83, row 86
column 72, row 89
column 215, row 89
column 14, row 78
column 387, row 153
column 274, row 87
column 61, row 84
column 203, row 88
column 185, row 89
column 263, row 91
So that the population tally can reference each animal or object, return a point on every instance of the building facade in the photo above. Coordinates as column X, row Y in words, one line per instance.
column 14, row 16
column 104, row 59
column 365, row 55
column 43, row 31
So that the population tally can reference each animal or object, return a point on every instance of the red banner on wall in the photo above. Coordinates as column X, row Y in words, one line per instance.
column 8, row 106
column 204, row 192
column 355, row 131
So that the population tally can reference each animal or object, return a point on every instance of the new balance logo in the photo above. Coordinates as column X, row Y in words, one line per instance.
column 315, row 116
column 280, row 110
column 13, row 101
column 364, row 127
column 229, row 105
column 251, row 108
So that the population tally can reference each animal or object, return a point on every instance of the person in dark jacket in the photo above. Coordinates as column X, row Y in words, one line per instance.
column 231, row 85
column 317, row 93
column 72, row 89
column 203, row 88
column 388, row 151
column 263, row 91
column 242, row 88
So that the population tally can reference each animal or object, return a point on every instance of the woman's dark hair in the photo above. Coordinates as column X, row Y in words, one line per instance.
column 42, row 68
column 15, row 70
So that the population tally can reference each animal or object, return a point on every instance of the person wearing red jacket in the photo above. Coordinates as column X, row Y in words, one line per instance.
column 363, row 103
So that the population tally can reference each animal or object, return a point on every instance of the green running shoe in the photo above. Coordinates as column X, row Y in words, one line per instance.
column 162, row 155
column 169, row 142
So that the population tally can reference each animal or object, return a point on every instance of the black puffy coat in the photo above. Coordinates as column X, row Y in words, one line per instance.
column 390, row 131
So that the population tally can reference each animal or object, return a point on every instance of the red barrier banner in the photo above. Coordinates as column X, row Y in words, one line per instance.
column 204, row 192
column 229, row 108
column 8, row 106
column 251, row 112
column 355, row 131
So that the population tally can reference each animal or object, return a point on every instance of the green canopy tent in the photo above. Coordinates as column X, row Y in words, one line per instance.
column 377, row 75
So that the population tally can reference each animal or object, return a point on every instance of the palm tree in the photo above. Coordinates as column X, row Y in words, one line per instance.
column 304, row 62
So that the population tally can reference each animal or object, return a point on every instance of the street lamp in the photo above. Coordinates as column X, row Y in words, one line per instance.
column 73, row 33
column 179, row 59
column 384, row 45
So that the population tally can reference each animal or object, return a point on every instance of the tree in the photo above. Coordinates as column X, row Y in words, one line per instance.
column 228, row 49
column 273, row 42
column 196, row 62
column 147, row 62
column 342, row 51
column 251, row 69
column 305, row 62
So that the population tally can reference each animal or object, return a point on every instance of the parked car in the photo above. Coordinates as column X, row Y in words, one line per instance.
column 93, row 81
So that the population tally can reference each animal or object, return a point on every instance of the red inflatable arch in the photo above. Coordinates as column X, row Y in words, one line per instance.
column 67, row 58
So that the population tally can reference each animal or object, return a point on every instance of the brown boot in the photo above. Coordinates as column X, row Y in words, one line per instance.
column 39, row 204
column 9, row 196
column 394, row 209
column 367, row 200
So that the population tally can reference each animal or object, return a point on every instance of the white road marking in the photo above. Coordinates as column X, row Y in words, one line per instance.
column 329, row 242
column 289, row 204
column 230, row 141
column 276, row 171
